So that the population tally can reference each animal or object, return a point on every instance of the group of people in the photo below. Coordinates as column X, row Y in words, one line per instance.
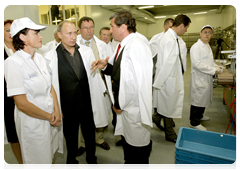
column 80, row 80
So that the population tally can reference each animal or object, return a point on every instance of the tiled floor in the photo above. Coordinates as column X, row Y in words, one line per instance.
column 162, row 150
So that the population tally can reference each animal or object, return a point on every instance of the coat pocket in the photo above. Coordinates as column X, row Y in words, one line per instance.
column 201, row 83
column 170, row 84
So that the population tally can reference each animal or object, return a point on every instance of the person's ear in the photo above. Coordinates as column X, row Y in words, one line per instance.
column 22, row 37
column 59, row 35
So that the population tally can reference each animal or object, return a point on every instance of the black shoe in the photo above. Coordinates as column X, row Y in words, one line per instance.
column 172, row 140
column 80, row 151
column 104, row 145
column 159, row 126
column 73, row 161
column 119, row 143
column 94, row 166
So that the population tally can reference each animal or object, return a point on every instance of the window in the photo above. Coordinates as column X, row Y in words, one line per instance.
column 58, row 13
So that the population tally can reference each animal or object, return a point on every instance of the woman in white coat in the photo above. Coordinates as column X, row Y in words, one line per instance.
column 37, row 114
column 202, row 71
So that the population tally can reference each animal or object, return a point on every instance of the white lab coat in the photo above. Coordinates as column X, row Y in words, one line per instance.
column 154, row 43
column 110, row 49
column 47, row 47
column 96, row 85
column 202, row 70
column 183, row 50
column 144, row 39
column 38, row 139
column 102, row 50
column 168, row 91
column 135, row 91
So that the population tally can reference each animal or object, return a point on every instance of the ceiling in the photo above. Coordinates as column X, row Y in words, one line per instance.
column 147, row 15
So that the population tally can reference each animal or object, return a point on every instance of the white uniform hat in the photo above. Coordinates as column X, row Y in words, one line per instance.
column 206, row 26
column 22, row 23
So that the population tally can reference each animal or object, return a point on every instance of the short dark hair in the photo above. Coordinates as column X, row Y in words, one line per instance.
column 125, row 17
column 84, row 19
column 166, row 22
column 103, row 28
column 181, row 19
column 8, row 21
column 17, row 42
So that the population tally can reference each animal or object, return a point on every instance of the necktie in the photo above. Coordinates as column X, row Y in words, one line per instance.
column 87, row 43
column 119, row 46
column 180, row 56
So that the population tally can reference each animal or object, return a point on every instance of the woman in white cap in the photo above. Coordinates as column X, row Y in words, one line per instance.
column 37, row 113
column 11, row 133
column 202, row 71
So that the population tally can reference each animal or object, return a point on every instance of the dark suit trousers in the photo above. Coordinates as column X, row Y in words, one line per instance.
column 71, row 131
column 136, row 155
column 196, row 114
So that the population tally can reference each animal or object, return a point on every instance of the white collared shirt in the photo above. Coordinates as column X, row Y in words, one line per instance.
column 125, row 41
column 170, row 29
column 9, row 51
column 90, row 44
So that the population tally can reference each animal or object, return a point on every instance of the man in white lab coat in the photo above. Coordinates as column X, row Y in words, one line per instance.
column 81, row 100
column 154, row 48
column 104, row 35
column 202, row 71
column 131, row 74
column 154, row 40
column 168, row 86
column 99, row 48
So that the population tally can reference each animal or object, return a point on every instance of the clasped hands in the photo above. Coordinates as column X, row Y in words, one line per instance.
column 55, row 119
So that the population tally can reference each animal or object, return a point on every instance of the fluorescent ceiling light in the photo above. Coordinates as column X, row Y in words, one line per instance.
column 146, row 7
column 70, row 18
column 200, row 13
column 174, row 15
column 160, row 17
column 213, row 10
column 57, row 20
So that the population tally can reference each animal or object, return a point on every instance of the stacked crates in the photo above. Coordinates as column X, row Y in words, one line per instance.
column 204, row 147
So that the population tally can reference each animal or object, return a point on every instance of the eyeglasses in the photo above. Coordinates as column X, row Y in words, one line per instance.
column 105, row 35
column 205, row 32
column 86, row 28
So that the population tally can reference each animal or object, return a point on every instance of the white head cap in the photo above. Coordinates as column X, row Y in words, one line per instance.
column 206, row 26
column 22, row 23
